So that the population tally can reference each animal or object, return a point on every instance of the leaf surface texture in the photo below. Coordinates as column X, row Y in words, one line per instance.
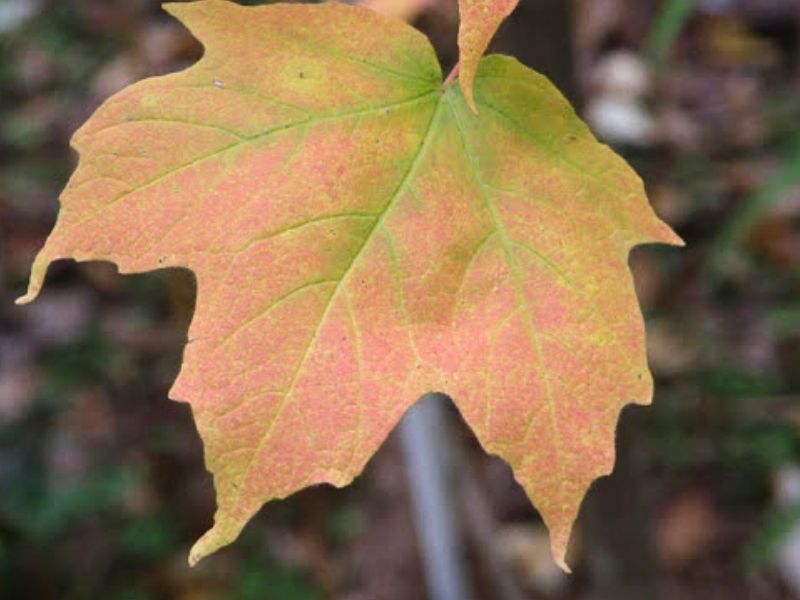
column 479, row 21
column 360, row 237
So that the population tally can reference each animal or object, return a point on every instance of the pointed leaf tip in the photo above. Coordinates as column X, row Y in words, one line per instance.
column 36, row 279
column 195, row 556
column 479, row 22
column 561, row 564
column 558, row 550
column 26, row 299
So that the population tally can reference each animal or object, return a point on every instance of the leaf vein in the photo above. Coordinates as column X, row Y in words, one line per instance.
column 306, row 351
column 532, row 333
column 221, row 151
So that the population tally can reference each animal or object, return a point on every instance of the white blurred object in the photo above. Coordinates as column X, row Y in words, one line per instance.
column 616, row 113
column 527, row 548
column 14, row 13
column 16, row 393
column 445, row 11
column 620, row 120
column 622, row 73
column 60, row 317
column 787, row 493
column 408, row 10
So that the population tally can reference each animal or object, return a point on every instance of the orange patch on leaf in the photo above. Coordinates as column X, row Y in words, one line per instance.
column 360, row 237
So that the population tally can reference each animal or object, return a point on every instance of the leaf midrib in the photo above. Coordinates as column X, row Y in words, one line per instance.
column 522, row 299
column 421, row 151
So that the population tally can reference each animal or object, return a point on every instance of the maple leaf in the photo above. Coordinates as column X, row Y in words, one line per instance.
column 479, row 22
column 360, row 237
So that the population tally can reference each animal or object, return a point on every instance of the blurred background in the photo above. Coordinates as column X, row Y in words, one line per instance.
column 102, row 485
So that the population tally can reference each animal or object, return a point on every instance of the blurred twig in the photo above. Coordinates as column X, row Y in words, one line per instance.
column 427, row 448
column 753, row 208
column 666, row 28
column 482, row 528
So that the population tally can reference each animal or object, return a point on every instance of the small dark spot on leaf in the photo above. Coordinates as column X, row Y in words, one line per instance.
column 571, row 137
column 301, row 75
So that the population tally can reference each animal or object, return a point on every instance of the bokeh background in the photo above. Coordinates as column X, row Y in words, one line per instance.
column 102, row 485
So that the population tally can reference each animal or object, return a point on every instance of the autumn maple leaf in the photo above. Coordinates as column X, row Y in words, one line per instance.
column 361, row 237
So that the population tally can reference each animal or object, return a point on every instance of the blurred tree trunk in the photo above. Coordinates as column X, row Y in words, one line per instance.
column 539, row 34
column 618, row 519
